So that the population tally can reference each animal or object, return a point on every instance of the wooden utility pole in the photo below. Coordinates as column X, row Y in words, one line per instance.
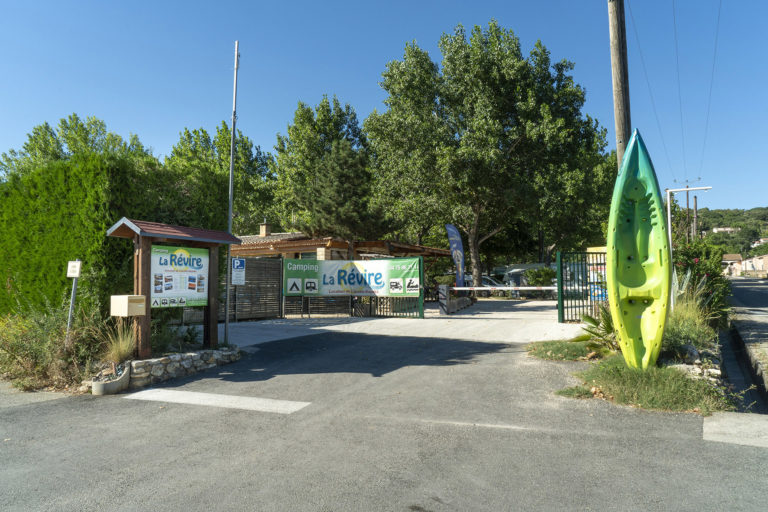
column 618, row 34
column 695, row 218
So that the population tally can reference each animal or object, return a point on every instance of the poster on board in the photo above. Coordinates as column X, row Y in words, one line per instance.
column 179, row 277
column 395, row 277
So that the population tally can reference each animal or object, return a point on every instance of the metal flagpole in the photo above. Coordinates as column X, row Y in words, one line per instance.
column 231, row 192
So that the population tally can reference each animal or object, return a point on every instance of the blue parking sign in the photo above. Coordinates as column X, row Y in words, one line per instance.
column 238, row 263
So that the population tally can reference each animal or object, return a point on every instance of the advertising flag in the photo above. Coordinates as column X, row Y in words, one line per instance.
column 457, row 251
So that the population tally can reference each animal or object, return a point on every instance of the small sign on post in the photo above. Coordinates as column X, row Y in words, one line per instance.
column 73, row 270
column 238, row 271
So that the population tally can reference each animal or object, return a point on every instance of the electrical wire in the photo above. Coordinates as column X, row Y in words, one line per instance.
column 650, row 91
column 679, row 92
column 711, row 83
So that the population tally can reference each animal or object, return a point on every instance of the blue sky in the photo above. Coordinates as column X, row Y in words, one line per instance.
column 154, row 68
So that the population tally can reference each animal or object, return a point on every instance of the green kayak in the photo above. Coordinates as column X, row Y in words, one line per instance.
column 638, row 268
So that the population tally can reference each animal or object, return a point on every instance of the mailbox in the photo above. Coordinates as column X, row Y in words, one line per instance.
column 128, row 305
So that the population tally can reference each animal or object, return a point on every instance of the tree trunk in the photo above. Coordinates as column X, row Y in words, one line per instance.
column 473, row 237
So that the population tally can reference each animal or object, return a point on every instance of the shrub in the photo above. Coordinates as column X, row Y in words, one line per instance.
column 119, row 340
column 540, row 276
column 704, row 265
column 35, row 351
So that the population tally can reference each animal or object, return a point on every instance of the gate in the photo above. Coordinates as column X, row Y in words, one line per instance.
column 581, row 286
column 397, row 307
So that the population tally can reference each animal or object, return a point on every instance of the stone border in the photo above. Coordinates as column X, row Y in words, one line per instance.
column 753, row 336
column 150, row 371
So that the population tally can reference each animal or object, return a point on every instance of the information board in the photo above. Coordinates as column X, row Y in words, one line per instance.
column 179, row 277
column 396, row 277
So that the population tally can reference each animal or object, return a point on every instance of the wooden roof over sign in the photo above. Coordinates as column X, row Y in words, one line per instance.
column 128, row 228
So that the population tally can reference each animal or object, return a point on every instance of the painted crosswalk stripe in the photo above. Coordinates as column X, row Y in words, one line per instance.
column 216, row 400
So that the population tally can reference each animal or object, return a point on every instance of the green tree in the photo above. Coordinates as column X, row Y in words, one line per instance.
column 477, row 140
column 199, row 190
column 72, row 136
column 323, row 176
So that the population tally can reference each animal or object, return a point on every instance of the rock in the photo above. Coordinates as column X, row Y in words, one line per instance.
column 173, row 369
column 690, row 354
column 164, row 360
column 137, row 366
column 157, row 370
column 140, row 383
column 140, row 375
column 186, row 363
column 175, row 357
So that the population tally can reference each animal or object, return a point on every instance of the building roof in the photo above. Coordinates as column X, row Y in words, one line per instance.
column 274, row 237
column 277, row 244
column 129, row 228
column 731, row 257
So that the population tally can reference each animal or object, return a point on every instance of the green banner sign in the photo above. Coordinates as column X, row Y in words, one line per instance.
column 397, row 277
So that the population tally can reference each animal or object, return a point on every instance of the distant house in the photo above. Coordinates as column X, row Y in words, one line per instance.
column 732, row 264
column 758, row 264
column 726, row 230
column 761, row 241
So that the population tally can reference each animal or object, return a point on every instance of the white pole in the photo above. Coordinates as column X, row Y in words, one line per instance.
column 671, row 191
column 231, row 193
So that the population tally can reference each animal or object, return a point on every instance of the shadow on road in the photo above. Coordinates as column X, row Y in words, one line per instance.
column 340, row 352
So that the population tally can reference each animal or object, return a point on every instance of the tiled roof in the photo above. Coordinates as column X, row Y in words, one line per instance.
column 128, row 228
column 274, row 237
column 731, row 257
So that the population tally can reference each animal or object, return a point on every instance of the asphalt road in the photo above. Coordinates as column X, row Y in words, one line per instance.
column 750, row 292
column 393, row 423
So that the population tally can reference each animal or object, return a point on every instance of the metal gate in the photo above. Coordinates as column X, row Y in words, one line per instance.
column 581, row 284
column 399, row 307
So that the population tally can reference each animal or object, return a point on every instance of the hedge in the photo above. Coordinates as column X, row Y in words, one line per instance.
column 61, row 211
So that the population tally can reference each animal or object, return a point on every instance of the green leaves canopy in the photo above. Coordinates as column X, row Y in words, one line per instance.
column 479, row 141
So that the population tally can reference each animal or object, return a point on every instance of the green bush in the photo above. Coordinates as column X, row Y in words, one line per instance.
column 540, row 276
column 705, row 266
column 689, row 321
column 61, row 211
column 35, row 352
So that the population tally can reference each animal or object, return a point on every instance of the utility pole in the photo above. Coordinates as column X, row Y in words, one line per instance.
column 620, row 73
column 687, row 216
column 695, row 234
column 231, row 193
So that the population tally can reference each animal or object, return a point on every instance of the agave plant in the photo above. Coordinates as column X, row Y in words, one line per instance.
column 600, row 330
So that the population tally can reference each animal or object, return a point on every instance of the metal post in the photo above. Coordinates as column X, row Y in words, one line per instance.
column 670, row 191
column 71, row 306
column 423, row 287
column 560, row 309
column 231, row 193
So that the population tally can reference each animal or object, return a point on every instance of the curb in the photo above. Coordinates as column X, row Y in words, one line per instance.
column 755, row 346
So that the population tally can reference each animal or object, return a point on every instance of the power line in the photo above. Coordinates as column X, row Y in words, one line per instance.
column 711, row 83
column 650, row 91
column 679, row 92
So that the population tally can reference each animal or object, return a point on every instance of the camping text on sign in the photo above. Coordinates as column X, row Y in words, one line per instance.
column 396, row 277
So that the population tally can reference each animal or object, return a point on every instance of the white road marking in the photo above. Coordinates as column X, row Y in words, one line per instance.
column 215, row 400
column 737, row 428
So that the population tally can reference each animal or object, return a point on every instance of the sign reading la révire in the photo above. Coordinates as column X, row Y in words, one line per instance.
column 397, row 277
column 179, row 277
